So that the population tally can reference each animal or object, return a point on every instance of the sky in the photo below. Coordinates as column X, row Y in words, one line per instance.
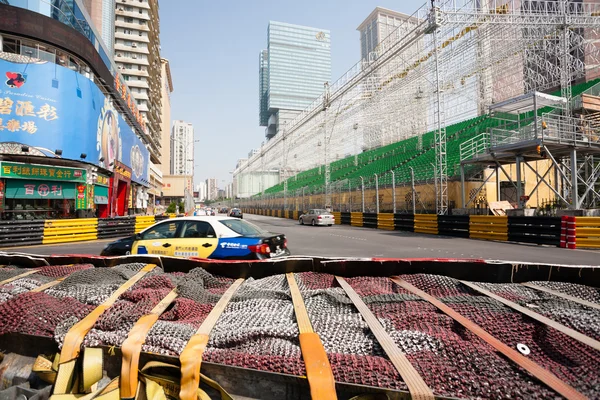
column 213, row 48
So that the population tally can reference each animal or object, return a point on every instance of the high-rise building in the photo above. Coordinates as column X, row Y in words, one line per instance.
column 137, row 55
column 201, row 189
column 378, row 26
column 295, row 66
column 182, row 148
column 212, row 190
column 102, row 13
column 165, row 130
column 263, row 87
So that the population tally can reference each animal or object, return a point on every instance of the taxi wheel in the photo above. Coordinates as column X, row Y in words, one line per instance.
column 313, row 222
column 301, row 221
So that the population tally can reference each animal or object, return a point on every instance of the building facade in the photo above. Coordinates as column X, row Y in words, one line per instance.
column 378, row 26
column 71, row 144
column 102, row 13
column 212, row 190
column 165, row 125
column 182, row 148
column 137, row 55
column 201, row 189
column 295, row 67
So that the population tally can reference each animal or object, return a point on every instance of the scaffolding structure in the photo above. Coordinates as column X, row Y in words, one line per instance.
column 449, row 61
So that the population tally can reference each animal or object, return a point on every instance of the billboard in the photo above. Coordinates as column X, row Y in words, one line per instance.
column 49, row 107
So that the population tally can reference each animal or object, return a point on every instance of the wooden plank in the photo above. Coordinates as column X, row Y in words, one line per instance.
column 416, row 385
column 563, row 295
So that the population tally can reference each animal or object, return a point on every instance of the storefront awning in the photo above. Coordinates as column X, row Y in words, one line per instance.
column 100, row 199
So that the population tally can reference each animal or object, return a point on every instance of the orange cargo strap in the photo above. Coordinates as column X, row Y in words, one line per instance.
column 191, row 356
column 538, row 317
column 416, row 385
column 23, row 275
column 563, row 295
column 318, row 370
column 132, row 346
column 72, row 343
column 542, row 374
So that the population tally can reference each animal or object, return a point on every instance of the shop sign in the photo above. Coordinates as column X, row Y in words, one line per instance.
column 23, row 189
column 102, row 180
column 123, row 172
column 81, row 199
column 41, row 172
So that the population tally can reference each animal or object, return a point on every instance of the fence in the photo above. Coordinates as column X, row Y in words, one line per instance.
column 536, row 230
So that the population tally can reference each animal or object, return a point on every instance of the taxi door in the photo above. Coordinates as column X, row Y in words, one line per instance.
column 195, row 239
column 159, row 239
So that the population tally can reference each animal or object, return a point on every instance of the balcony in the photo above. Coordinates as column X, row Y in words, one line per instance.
column 132, row 14
column 133, row 72
column 132, row 37
column 137, row 84
column 130, row 60
column 132, row 26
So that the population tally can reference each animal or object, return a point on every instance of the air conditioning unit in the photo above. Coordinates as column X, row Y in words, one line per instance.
column 119, row 55
column 134, row 56
column 134, row 45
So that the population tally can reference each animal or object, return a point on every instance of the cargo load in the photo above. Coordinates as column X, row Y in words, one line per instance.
column 299, row 328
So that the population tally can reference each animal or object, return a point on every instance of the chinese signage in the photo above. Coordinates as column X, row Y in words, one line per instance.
column 122, row 172
column 22, row 189
column 28, row 112
column 102, row 180
column 130, row 101
column 58, row 111
column 81, row 200
column 41, row 172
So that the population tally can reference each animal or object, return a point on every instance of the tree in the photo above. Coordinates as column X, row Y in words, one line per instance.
column 181, row 207
column 172, row 208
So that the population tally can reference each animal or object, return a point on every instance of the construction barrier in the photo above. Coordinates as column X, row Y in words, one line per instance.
column 296, row 215
column 356, row 219
column 385, row 221
column 453, row 225
column 338, row 217
column 488, row 227
column 143, row 221
column 369, row 220
column 404, row 222
column 538, row 230
column 70, row 230
column 345, row 218
column 587, row 232
column 21, row 233
column 116, row 227
column 426, row 223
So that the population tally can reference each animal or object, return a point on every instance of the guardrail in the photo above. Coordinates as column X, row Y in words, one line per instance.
column 587, row 232
column 21, row 233
column 488, row 227
column 70, row 230
column 52, row 231
column 537, row 230
column 116, row 227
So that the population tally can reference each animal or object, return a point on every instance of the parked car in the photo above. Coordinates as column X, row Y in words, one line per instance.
column 237, row 213
column 223, row 210
column 317, row 216
column 204, row 237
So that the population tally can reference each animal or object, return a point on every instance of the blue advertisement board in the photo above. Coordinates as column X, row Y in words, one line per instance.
column 49, row 108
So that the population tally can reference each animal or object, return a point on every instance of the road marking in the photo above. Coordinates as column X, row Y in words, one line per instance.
column 348, row 237
column 57, row 244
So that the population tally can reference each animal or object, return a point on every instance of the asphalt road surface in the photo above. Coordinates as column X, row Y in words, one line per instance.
column 347, row 241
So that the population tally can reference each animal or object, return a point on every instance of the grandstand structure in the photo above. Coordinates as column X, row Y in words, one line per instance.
column 459, row 58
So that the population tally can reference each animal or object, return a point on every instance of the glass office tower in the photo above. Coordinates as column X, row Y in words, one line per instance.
column 299, row 63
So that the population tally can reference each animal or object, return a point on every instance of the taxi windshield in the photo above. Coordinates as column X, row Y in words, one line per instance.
column 242, row 227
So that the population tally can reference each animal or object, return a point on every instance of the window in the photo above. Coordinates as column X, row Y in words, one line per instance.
column 197, row 229
column 242, row 227
column 166, row 230
column 129, row 20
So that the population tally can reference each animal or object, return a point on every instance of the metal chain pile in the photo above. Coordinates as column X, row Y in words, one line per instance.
column 258, row 327
column 33, row 281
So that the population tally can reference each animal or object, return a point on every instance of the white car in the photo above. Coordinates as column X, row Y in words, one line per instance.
column 317, row 216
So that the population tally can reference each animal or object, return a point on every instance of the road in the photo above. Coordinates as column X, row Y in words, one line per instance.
column 347, row 241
